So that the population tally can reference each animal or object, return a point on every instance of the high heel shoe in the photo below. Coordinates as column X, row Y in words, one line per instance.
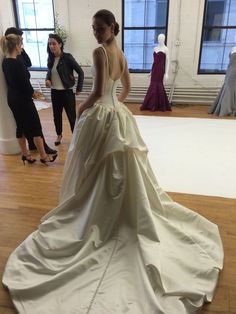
column 28, row 159
column 48, row 159
column 58, row 142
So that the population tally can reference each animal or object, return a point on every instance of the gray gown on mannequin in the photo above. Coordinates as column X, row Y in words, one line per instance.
column 225, row 103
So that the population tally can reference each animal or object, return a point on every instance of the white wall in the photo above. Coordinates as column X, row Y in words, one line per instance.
column 8, row 142
column 82, row 41
column 185, row 26
column 6, row 15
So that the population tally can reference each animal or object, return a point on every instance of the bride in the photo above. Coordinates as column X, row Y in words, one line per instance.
column 116, row 243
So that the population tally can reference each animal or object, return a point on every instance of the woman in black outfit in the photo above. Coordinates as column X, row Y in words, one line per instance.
column 61, row 80
column 19, row 97
column 25, row 59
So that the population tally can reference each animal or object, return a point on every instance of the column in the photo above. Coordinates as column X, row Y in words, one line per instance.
column 8, row 141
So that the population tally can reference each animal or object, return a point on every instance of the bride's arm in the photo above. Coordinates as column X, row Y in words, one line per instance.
column 99, row 80
column 125, row 81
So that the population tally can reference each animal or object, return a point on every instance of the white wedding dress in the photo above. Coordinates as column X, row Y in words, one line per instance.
column 116, row 243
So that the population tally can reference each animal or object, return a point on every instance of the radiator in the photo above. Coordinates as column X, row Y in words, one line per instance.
column 180, row 94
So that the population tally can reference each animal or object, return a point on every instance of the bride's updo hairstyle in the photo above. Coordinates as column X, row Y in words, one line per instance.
column 108, row 18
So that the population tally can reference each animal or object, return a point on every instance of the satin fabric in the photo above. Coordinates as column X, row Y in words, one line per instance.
column 116, row 243
column 156, row 98
column 225, row 102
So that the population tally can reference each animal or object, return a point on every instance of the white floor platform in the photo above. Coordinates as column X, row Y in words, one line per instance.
column 188, row 155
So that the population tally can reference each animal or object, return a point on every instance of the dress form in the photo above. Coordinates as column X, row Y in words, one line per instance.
column 163, row 48
column 233, row 50
column 156, row 98
column 225, row 103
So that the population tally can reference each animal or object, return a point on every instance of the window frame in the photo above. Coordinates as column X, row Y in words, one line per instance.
column 199, row 71
column 143, row 28
column 52, row 30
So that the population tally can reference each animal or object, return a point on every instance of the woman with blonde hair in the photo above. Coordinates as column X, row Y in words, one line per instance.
column 19, row 96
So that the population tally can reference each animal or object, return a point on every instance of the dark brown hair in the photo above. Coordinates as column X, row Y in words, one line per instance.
column 13, row 30
column 51, row 56
column 108, row 18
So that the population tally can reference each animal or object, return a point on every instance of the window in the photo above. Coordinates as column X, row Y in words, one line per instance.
column 36, row 19
column 143, row 21
column 219, row 29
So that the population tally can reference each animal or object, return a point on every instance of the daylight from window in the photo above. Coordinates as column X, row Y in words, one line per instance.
column 36, row 19
column 219, row 30
column 144, row 20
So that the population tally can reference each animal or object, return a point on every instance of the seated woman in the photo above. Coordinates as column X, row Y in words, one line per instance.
column 19, row 97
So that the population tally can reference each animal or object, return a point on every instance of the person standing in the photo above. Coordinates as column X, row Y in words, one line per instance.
column 60, row 79
column 19, row 98
column 116, row 243
column 25, row 59
column 156, row 98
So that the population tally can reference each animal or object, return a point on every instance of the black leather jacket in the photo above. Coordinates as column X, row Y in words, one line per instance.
column 65, row 68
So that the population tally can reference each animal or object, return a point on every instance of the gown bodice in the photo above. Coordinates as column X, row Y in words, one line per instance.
column 109, row 97
column 158, row 66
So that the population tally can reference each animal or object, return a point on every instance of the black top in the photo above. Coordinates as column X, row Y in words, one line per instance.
column 25, row 59
column 19, row 98
column 66, row 65
column 17, row 77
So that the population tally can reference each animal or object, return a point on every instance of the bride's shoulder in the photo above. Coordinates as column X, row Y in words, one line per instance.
column 122, row 58
column 99, row 50
column 99, row 53
column 121, row 53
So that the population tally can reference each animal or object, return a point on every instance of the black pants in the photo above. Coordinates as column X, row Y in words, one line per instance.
column 26, row 116
column 32, row 145
column 63, row 99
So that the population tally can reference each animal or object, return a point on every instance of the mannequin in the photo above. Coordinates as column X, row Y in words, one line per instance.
column 225, row 103
column 233, row 50
column 163, row 48
column 156, row 98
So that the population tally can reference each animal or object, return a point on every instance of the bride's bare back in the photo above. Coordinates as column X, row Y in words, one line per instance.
column 112, row 64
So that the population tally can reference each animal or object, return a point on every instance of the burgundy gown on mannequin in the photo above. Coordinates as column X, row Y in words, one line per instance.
column 156, row 98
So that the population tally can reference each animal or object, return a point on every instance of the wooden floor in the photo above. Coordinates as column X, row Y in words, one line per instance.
column 28, row 192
